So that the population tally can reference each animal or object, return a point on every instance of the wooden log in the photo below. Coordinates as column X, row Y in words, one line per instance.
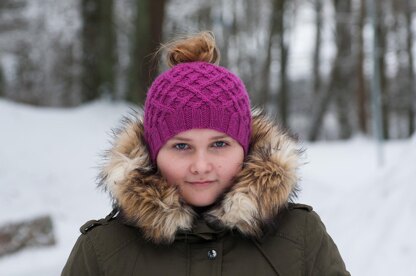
column 31, row 233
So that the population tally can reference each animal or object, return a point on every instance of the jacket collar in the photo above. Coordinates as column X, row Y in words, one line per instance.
column 266, row 184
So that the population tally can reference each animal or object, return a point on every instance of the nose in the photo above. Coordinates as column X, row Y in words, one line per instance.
column 201, row 163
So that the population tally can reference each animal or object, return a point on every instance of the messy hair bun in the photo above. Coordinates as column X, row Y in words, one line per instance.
column 197, row 47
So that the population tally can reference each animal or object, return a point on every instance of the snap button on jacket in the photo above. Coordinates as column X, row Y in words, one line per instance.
column 212, row 254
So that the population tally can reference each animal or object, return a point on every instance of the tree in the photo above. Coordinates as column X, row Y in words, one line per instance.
column 264, row 91
column 283, row 95
column 381, row 30
column 343, row 85
column 146, row 39
column 8, row 24
column 276, row 39
column 340, row 76
column 27, row 76
column 2, row 84
column 361, row 92
column 316, row 78
column 98, row 48
column 411, row 91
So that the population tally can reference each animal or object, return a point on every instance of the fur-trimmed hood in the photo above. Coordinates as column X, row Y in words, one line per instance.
column 265, row 185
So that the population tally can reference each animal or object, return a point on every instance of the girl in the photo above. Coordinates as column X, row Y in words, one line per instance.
column 203, row 186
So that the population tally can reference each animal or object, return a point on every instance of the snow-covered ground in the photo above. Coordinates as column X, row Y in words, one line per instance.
column 48, row 160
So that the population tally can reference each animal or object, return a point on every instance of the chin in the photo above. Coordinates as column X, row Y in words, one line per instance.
column 200, row 202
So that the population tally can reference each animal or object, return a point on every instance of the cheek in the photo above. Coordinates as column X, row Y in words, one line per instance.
column 236, row 170
column 168, row 174
column 230, row 171
column 172, row 171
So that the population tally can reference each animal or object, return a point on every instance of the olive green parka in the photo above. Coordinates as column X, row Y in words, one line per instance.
column 253, row 229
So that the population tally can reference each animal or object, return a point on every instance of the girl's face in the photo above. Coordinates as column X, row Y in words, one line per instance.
column 202, row 163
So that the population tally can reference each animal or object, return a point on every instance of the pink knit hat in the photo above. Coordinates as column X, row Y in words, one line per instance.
column 196, row 95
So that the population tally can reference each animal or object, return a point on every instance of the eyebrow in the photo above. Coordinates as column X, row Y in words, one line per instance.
column 178, row 138
column 219, row 137
column 184, row 139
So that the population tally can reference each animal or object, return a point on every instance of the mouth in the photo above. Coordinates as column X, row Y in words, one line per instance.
column 201, row 183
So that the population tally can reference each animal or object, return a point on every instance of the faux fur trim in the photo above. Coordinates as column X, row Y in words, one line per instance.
column 267, row 182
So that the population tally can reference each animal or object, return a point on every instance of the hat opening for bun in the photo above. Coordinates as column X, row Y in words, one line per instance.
column 196, row 47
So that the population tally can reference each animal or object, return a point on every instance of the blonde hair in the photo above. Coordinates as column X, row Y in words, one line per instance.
column 197, row 47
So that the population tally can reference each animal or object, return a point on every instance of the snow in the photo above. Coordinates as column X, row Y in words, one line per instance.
column 48, row 165
column 369, row 211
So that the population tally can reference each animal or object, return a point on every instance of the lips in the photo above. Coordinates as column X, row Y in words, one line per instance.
column 200, row 182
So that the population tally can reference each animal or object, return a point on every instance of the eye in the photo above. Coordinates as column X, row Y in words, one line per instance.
column 181, row 146
column 219, row 144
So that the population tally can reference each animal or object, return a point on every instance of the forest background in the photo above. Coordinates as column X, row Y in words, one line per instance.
column 312, row 63
column 326, row 69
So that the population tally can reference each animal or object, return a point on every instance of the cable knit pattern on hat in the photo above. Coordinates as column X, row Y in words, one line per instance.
column 196, row 95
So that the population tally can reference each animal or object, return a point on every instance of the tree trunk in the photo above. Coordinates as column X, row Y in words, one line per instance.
column 322, row 101
column 63, row 74
column 251, row 78
column 276, row 31
column 98, row 49
column 9, row 23
column 341, row 73
column 283, row 98
column 225, row 34
column 411, row 70
column 361, row 91
column 316, row 64
column 382, row 35
column 26, row 77
column 343, row 84
column 2, row 84
column 108, row 56
column 147, row 38
column 204, row 18
column 264, row 91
